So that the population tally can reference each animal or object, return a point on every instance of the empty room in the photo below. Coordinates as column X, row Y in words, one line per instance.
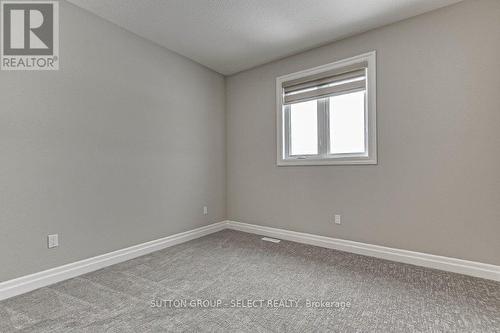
column 249, row 166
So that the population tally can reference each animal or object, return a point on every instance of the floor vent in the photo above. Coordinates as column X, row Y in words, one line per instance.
column 273, row 240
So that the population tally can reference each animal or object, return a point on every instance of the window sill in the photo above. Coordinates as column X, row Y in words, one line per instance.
column 327, row 161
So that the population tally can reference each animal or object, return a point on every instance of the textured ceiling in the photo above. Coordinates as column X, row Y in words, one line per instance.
column 229, row 36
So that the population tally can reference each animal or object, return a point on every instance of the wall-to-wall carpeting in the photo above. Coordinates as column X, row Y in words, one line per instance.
column 373, row 295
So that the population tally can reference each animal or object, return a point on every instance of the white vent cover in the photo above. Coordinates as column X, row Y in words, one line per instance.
column 273, row 240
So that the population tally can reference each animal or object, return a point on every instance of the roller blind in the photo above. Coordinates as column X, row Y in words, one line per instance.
column 348, row 79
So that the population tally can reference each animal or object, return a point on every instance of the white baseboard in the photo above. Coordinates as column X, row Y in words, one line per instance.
column 34, row 281
column 472, row 268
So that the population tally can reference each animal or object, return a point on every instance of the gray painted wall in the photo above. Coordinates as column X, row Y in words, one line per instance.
column 127, row 142
column 436, row 188
column 124, row 144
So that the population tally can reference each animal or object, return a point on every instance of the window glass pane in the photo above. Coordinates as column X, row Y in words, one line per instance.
column 347, row 123
column 304, row 128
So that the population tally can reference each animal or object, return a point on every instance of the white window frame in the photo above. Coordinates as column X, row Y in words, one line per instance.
column 369, row 157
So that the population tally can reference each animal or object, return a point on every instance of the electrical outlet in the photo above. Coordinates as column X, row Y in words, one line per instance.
column 52, row 241
column 205, row 210
column 337, row 219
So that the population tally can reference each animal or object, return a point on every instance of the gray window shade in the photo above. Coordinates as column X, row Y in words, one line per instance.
column 348, row 79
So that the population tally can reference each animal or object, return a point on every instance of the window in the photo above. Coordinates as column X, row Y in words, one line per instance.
column 326, row 115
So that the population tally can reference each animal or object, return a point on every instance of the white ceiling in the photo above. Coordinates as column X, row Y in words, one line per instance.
column 229, row 36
